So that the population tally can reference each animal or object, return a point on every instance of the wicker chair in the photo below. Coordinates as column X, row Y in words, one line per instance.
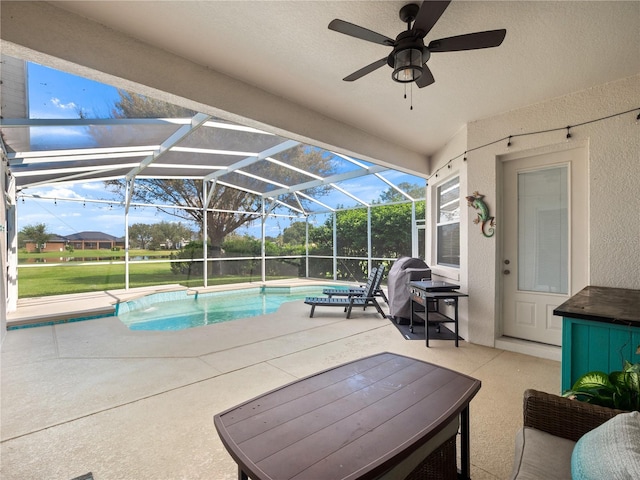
column 562, row 418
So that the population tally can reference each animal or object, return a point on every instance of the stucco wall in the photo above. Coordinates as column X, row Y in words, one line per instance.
column 450, row 159
column 13, row 89
column 3, row 255
column 614, row 187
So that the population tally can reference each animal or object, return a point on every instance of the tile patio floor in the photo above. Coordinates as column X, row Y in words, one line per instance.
column 96, row 397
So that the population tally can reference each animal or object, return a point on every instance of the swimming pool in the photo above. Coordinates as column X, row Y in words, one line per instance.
column 169, row 311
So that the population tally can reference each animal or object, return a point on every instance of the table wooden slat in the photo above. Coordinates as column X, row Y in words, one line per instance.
column 264, row 419
column 376, row 458
column 276, row 397
column 353, row 421
column 302, row 427
column 409, row 415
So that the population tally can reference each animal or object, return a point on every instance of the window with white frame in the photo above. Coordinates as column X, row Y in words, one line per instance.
column 448, row 224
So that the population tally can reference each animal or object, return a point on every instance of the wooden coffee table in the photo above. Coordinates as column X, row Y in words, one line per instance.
column 356, row 420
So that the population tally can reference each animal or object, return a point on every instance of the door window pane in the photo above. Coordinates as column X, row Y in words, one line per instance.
column 543, row 230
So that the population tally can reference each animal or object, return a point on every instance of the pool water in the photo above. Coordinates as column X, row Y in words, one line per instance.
column 177, row 310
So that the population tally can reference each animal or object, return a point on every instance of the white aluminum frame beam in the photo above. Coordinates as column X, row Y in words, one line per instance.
column 184, row 131
column 329, row 180
column 281, row 147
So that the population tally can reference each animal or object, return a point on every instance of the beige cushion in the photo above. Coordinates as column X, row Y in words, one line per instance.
column 540, row 455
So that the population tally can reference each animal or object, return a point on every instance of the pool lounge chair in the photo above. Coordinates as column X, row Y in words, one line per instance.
column 347, row 292
column 360, row 300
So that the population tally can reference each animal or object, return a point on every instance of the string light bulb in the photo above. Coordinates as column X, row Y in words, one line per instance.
column 558, row 129
column 568, row 132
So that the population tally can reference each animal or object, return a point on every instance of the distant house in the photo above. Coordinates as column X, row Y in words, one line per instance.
column 78, row 241
column 56, row 243
column 93, row 241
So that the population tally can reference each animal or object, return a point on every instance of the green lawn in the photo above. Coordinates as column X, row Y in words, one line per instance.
column 43, row 281
column 22, row 255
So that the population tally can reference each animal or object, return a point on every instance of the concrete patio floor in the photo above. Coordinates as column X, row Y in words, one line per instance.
column 94, row 396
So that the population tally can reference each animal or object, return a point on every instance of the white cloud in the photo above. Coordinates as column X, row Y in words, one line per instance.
column 63, row 106
column 56, row 192
column 93, row 186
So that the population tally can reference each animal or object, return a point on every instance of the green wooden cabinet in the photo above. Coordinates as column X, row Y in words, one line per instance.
column 594, row 345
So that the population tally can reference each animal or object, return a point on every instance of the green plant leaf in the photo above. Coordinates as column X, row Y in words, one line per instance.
column 631, row 367
column 593, row 381
column 619, row 389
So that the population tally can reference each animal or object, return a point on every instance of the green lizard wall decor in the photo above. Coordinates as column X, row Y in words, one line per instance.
column 476, row 201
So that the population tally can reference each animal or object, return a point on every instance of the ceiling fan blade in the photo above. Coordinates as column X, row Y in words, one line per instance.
column 469, row 41
column 359, row 32
column 429, row 13
column 365, row 70
column 426, row 78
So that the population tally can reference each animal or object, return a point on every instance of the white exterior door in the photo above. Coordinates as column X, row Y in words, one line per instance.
column 545, row 241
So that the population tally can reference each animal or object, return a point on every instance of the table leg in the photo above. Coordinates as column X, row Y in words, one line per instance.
column 465, row 451
column 455, row 308
column 242, row 475
column 411, row 316
column 426, row 322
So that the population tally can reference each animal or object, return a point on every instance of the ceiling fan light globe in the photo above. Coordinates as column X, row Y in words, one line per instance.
column 407, row 75
column 407, row 65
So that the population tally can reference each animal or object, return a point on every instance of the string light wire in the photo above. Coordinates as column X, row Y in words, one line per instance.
column 538, row 132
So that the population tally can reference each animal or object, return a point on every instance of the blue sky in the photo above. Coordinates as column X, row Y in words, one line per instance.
column 56, row 94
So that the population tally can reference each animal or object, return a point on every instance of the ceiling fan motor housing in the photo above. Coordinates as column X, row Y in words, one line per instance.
column 408, row 40
column 409, row 12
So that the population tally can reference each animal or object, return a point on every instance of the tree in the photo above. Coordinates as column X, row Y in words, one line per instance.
column 140, row 235
column 391, row 195
column 171, row 234
column 392, row 227
column 391, row 232
column 37, row 234
column 295, row 234
column 190, row 193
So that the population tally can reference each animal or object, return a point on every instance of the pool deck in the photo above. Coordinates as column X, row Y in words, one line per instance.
column 94, row 396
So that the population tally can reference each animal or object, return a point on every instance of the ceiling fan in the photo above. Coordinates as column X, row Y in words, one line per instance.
column 410, row 55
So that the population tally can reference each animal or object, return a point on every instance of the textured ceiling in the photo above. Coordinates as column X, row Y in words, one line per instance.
column 285, row 48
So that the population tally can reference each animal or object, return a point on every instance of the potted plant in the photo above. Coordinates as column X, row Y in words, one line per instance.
column 619, row 389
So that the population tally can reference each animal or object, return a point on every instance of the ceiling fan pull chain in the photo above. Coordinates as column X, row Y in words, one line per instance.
column 411, row 96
